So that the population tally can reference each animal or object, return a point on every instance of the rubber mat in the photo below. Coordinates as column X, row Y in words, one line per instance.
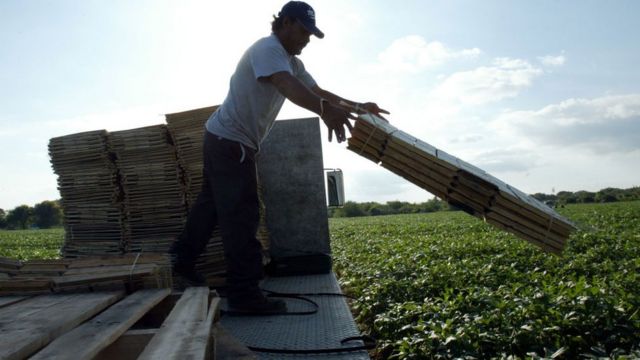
column 323, row 330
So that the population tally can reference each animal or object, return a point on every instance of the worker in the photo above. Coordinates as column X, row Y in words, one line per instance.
column 268, row 72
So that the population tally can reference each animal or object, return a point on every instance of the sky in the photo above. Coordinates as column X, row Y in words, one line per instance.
column 544, row 95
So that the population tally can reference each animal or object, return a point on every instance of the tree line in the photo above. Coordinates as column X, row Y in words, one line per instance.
column 43, row 215
column 586, row 197
column 48, row 213
column 353, row 209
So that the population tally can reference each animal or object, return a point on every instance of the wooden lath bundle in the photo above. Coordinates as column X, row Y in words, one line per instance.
column 460, row 183
column 85, row 274
column 187, row 131
column 130, row 191
column 87, row 179
column 154, row 205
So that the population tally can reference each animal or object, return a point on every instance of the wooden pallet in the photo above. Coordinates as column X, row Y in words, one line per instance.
column 146, row 324
column 460, row 183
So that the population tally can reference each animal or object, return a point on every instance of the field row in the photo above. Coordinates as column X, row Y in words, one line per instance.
column 31, row 244
column 446, row 285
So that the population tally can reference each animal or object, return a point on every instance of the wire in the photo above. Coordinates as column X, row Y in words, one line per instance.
column 369, row 342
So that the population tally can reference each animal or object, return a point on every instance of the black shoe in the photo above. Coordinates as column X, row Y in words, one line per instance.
column 189, row 276
column 257, row 305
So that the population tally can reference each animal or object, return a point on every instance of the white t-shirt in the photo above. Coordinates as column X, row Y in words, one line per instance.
column 251, row 106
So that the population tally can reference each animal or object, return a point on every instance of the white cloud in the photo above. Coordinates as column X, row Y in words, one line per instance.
column 506, row 160
column 552, row 60
column 413, row 54
column 505, row 78
column 606, row 124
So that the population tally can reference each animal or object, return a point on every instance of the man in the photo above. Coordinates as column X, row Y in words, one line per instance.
column 267, row 73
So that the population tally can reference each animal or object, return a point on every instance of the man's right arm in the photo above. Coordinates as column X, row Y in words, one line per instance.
column 334, row 117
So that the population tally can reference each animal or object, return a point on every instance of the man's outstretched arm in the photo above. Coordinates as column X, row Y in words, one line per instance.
column 335, row 117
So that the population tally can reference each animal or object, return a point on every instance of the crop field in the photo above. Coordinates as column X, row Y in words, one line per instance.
column 446, row 285
column 31, row 244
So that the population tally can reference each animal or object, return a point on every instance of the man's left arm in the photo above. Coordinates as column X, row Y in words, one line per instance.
column 349, row 105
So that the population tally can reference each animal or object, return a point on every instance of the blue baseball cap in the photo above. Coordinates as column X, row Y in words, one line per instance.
column 304, row 13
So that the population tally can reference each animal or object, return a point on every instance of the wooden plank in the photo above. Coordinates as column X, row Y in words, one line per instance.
column 33, row 323
column 126, row 259
column 128, row 346
column 538, row 217
column 201, row 345
column 416, row 147
column 67, row 280
column 365, row 155
column 492, row 220
column 526, row 223
column 9, row 300
column 540, row 239
column 390, row 146
column 420, row 179
column 540, row 211
column 104, row 329
column 176, row 334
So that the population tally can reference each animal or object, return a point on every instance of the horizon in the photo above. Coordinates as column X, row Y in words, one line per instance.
column 542, row 95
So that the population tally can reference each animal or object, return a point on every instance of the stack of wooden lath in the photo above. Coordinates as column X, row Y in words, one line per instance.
column 87, row 182
column 187, row 131
column 459, row 183
column 154, row 205
column 84, row 274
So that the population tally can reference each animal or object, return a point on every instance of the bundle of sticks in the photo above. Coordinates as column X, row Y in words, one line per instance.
column 459, row 183
column 87, row 178
column 154, row 206
column 109, row 272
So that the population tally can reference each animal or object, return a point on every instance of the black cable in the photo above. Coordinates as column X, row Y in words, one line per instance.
column 312, row 294
column 369, row 344
column 287, row 313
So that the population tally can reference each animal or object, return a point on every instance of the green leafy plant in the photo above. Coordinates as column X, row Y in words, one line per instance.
column 445, row 285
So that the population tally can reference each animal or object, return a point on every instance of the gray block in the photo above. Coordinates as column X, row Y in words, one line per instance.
column 291, row 172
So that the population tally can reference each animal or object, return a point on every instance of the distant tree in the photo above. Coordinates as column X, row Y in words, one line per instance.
column 47, row 214
column 566, row 197
column 432, row 205
column 20, row 217
column 3, row 219
column 350, row 209
column 395, row 205
column 544, row 197
column 585, row 197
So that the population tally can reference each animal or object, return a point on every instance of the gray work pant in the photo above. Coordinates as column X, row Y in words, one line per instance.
column 228, row 199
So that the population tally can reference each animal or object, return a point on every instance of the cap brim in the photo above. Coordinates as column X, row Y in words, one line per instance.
column 312, row 29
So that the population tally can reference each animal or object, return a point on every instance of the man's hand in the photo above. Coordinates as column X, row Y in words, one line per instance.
column 374, row 109
column 336, row 118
